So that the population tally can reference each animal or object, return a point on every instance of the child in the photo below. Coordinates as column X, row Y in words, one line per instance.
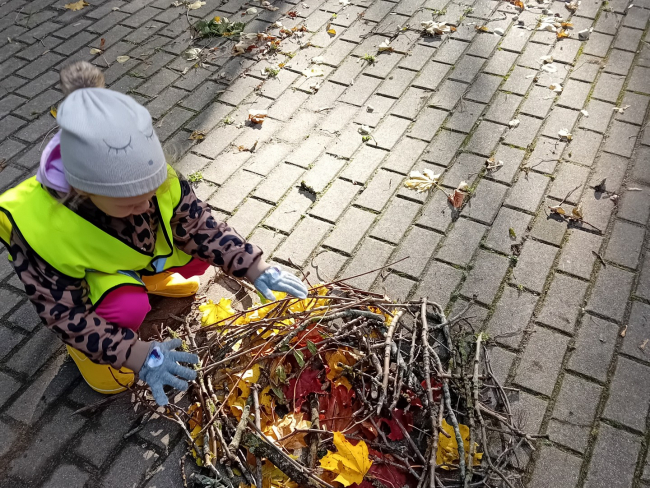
column 105, row 222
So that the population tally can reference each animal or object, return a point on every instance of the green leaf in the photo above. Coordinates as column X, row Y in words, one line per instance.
column 299, row 357
column 278, row 393
column 512, row 233
column 282, row 376
column 312, row 347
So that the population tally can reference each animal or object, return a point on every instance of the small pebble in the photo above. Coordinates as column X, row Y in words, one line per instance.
column 370, row 108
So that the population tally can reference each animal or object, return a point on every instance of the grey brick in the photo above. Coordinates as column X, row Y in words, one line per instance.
column 428, row 123
column 379, row 190
column 555, row 468
column 421, row 239
column 300, row 126
column 420, row 54
column 499, row 236
column 163, row 102
column 515, row 40
column 501, row 362
column 9, row 125
column 200, row 97
column 467, row 68
column 171, row 122
column 511, row 317
column 621, row 139
column 527, row 192
column 461, row 242
column 431, row 75
column 533, row 265
column 8, row 435
column 620, row 62
column 278, row 182
column 541, row 361
column 641, row 170
column 308, row 151
column 219, row 172
column 574, row 94
column 371, row 255
column 485, row 202
column 569, row 177
column 577, row 257
column 563, row 302
column 606, row 469
column 249, row 215
column 443, row 147
column 637, row 330
column 439, row 283
column 483, row 88
column 519, row 81
column 538, row 102
column 337, row 118
column 437, row 213
column 233, row 192
column 637, row 105
column 107, row 22
column 67, row 475
column 210, row 117
column 465, row 116
column 287, row 214
column 302, row 241
column 627, row 403
column 411, row 102
column 531, row 409
column 395, row 84
column 608, row 88
column 500, row 63
column 600, row 114
column 609, row 296
column 583, row 148
column 8, row 386
column 448, row 95
column 503, row 108
column 574, row 412
column 628, row 39
column 35, row 353
column 598, row 44
column 395, row 285
column 9, row 174
column 52, row 436
column 396, row 220
column 38, row 105
column 389, row 131
column 625, row 244
column 11, row 83
column 559, row 119
column 632, row 206
column 130, row 467
column 158, row 82
column 8, row 340
column 524, row 134
column 8, row 300
column 638, row 19
column 403, row 155
column 334, row 202
column 358, row 93
column 9, row 103
column 450, row 52
column 38, row 128
column 466, row 168
column 350, row 230
column 323, row 172
column 485, row 277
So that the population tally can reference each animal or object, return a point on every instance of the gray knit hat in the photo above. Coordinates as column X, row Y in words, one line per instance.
column 108, row 144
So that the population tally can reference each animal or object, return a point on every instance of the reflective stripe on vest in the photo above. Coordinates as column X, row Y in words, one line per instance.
column 79, row 249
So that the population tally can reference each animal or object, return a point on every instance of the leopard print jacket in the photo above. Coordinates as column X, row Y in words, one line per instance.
column 63, row 302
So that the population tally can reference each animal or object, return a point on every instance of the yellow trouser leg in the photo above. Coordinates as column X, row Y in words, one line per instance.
column 168, row 284
column 102, row 377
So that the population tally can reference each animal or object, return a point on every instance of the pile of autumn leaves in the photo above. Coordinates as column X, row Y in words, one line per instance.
column 291, row 379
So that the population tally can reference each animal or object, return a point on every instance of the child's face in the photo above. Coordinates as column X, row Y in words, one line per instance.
column 122, row 207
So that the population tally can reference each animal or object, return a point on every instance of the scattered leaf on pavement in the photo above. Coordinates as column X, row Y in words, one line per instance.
column 191, row 53
column 564, row 134
column 313, row 72
column 122, row 59
column 623, row 331
column 584, row 112
column 513, row 123
column 557, row 210
column 513, row 234
column 422, row 182
column 577, row 211
column 257, row 116
column 197, row 135
column 76, row 5
column 53, row 111
column 94, row 50
column 447, row 454
column 251, row 11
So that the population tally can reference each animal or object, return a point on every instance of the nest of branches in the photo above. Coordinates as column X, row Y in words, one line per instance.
column 344, row 388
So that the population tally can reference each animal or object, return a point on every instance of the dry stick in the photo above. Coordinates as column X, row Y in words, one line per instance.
column 474, row 399
column 241, row 426
column 445, row 390
column 315, row 423
column 410, row 440
column 258, row 424
column 399, row 377
column 387, row 343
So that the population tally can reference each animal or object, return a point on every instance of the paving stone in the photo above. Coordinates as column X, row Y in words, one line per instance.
column 511, row 317
column 613, row 169
column 8, row 386
column 169, row 474
column 350, row 230
column 524, row 134
column 389, row 132
column 569, row 177
column 485, row 277
column 485, row 202
column 302, row 241
column 627, row 403
column 464, row 118
column 500, row 62
column 598, row 44
column 8, row 340
column 358, row 93
column 527, row 192
column 637, row 331
column 8, row 435
column 334, row 202
column 439, row 283
column 563, row 302
column 533, row 265
column 621, row 139
column 531, row 409
column 450, row 52
column 503, row 108
column 555, row 468
column 628, row 39
column 614, row 458
column 559, row 119
column 425, row 242
column 609, row 296
column 634, row 206
column 467, row 68
column 465, row 168
column 49, row 440
column 325, row 265
column 583, row 147
column 130, row 467
column 379, row 190
column 39, row 105
column 437, row 213
column 635, row 113
column 484, row 138
column 574, row 412
column 574, row 94
column 577, row 257
column 501, row 361
column 538, row 102
column 461, row 242
column 403, row 155
column 410, row 103
column 619, row 62
column 249, row 215
column 308, row 152
column 67, row 475
column 624, row 246
column 233, row 192
column 499, row 236
column 299, row 126
column 540, row 363
column 395, row 221
column 287, row 214
column 338, row 118
column 607, row 88
column 419, row 56
column 443, row 147
column 641, row 170
column 371, row 255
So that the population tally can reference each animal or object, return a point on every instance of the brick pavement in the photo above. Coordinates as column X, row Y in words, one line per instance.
column 569, row 328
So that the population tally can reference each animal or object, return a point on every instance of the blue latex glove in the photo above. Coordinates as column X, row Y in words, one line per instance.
column 274, row 279
column 161, row 368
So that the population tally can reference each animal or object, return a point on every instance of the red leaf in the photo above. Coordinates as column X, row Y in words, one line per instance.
column 436, row 388
column 404, row 418
column 336, row 410
column 413, row 398
column 299, row 388
column 387, row 475
column 293, row 14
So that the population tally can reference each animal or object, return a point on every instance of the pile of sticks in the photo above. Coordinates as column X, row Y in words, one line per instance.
column 409, row 359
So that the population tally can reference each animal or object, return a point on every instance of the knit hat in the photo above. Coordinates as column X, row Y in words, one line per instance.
column 108, row 144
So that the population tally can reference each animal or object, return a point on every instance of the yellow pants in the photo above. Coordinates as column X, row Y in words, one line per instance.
column 102, row 377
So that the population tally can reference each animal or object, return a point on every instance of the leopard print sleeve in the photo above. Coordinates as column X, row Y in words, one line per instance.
column 197, row 233
column 64, row 306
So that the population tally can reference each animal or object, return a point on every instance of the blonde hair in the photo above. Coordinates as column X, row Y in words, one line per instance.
column 80, row 74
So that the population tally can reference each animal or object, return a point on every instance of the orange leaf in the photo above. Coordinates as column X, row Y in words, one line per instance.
column 561, row 34
column 482, row 29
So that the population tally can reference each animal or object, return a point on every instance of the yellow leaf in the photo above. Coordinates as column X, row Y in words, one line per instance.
column 577, row 211
column 197, row 135
column 53, row 111
column 557, row 210
column 76, row 5
column 351, row 463
column 447, row 454
column 331, row 32
column 217, row 19
column 122, row 59
column 336, row 371
column 272, row 477
column 213, row 313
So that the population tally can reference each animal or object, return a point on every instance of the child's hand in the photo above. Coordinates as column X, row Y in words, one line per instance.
column 161, row 368
column 274, row 279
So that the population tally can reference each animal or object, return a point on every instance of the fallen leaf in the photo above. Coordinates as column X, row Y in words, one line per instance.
column 251, row 11
column 422, row 182
column 336, row 410
column 457, row 198
column 566, row 25
column 512, row 233
column 406, row 419
column 513, row 123
column 556, row 87
column 557, row 210
column 196, row 5
column 298, row 388
column 498, row 31
column 483, row 28
column 122, row 59
column 313, row 72
column 290, row 423
column 318, row 60
column 351, row 463
column 643, row 344
column 216, row 312
column 546, row 59
column 197, row 135
column 621, row 110
column 191, row 53
column 584, row 112
column 577, row 211
column 436, row 28
column 102, row 43
column 463, row 186
column 384, row 46
column 491, row 164
column 562, row 34
column 564, row 134
column 573, row 6
column 257, row 116
column 94, row 50
column 53, row 111
column 76, row 5
column 623, row 331
column 331, row 32
column 549, row 68
column 336, row 372
column 447, row 454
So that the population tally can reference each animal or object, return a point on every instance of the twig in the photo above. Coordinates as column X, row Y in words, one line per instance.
column 258, row 424
column 387, row 344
